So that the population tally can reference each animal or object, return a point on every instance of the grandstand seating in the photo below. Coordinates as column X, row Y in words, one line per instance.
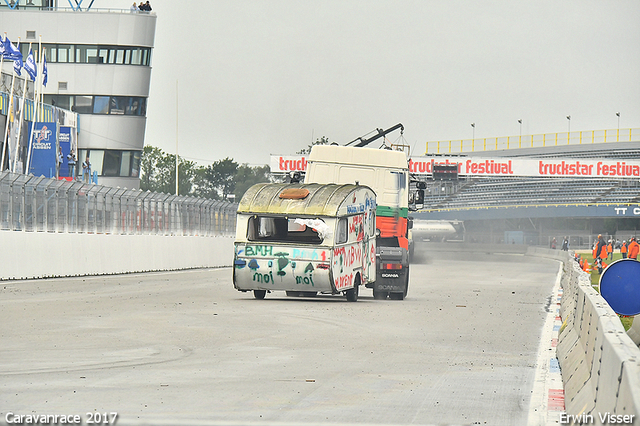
column 479, row 192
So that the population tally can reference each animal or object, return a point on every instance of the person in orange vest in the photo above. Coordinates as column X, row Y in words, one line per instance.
column 610, row 250
column 601, row 248
column 634, row 248
column 623, row 249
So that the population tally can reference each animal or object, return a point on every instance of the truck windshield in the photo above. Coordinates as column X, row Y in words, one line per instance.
column 283, row 229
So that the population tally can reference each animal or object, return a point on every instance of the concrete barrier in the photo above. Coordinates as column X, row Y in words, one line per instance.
column 634, row 331
column 43, row 254
column 600, row 364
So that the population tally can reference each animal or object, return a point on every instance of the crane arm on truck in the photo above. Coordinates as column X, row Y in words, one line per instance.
column 364, row 142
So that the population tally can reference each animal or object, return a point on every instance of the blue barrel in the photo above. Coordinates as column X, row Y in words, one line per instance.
column 620, row 286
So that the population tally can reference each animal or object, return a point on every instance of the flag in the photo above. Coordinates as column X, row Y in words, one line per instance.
column 17, row 65
column 30, row 66
column 44, row 69
column 10, row 52
column 15, row 55
column 1, row 47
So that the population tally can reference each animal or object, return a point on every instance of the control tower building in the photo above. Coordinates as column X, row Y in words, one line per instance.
column 99, row 66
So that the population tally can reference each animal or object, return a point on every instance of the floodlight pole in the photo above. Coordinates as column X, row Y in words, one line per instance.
column 520, row 140
column 176, row 137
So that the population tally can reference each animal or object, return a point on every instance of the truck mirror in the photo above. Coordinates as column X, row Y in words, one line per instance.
column 420, row 196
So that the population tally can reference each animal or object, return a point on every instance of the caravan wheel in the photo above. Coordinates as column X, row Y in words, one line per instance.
column 352, row 294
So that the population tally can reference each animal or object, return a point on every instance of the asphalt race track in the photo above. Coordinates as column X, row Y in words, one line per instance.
column 186, row 346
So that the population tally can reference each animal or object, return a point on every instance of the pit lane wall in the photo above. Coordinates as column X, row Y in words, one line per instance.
column 44, row 254
column 600, row 364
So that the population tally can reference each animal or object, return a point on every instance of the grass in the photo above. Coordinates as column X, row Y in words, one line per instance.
column 595, row 282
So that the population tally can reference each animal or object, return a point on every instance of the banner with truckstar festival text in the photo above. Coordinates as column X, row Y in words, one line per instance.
column 499, row 166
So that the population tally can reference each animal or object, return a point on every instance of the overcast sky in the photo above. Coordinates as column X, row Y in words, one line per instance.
column 268, row 77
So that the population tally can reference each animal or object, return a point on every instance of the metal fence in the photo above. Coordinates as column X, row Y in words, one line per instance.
column 533, row 141
column 39, row 204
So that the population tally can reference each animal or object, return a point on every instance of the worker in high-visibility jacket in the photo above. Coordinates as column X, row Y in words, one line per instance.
column 623, row 249
column 634, row 248
column 601, row 248
column 610, row 250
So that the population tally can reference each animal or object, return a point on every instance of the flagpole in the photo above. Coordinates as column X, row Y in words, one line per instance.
column 36, row 105
column 2, row 56
column 1, row 66
column 176, row 137
column 24, row 104
column 9, row 112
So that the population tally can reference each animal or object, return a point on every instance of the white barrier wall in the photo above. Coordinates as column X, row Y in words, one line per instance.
column 600, row 364
column 45, row 254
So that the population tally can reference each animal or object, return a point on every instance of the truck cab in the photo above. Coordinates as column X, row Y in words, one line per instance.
column 387, row 173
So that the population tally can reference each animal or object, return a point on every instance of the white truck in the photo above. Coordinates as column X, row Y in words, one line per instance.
column 387, row 173
column 305, row 239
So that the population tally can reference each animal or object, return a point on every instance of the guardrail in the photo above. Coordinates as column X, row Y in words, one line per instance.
column 38, row 204
column 600, row 364
column 524, row 206
column 533, row 141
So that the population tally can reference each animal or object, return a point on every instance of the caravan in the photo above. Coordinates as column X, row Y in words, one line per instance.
column 305, row 239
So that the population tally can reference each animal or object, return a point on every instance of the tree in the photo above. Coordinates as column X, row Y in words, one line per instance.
column 247, row 176
column 149, row 179
column 158, row 172
column 215, row 181
column 322, row 141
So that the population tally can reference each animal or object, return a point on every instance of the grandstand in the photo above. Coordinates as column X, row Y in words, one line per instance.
column 538, row 201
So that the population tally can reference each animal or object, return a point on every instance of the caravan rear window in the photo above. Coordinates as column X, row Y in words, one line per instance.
column 286, row 229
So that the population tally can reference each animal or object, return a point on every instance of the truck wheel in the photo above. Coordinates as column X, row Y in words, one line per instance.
column 379, row 295
column 406, row 283
column 259, row 294
column 352, row 294
column 396, row 296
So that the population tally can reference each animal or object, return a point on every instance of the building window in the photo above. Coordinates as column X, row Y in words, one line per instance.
column 101, row 104
column 92, row 54
column 115, row 105
column 83, row 104
column 112, row 162
column 135, row 163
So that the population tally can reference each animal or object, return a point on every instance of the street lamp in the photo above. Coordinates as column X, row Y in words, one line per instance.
column 520, row 121
column 474, row 130
column 520, row 140
column 618, row 115
column 569, row 119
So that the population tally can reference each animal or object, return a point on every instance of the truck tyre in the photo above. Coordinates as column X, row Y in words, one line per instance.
column 352, row 294
column 259, row 294
column 379, row 295
column 396, row 296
